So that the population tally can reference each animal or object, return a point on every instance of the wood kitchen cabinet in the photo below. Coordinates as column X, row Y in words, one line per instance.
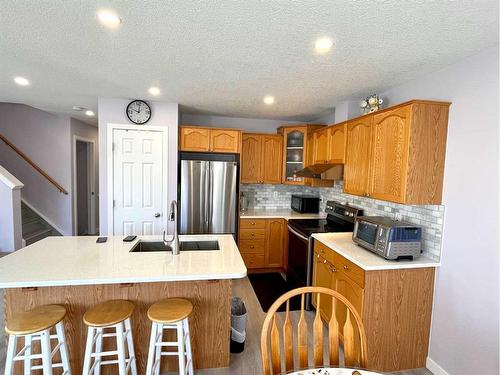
column 336, row 143
column 329, row 145
column 320, row 146
column 356, row 169
column 195, row 138
column 262, row 242
column 275, row 234
column 297, row 152
column 398, row 154
column 261, row 158
column 395, row 306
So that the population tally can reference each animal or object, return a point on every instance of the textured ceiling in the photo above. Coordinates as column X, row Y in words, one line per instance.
column 222, row 57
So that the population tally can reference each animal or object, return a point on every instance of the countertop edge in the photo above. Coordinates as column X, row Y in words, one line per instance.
column 57, row 283
column 346, row 255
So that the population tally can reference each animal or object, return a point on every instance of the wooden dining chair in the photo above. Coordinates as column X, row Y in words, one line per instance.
column 271, row 334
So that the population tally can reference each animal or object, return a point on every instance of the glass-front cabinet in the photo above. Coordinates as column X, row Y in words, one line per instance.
column 296, row 153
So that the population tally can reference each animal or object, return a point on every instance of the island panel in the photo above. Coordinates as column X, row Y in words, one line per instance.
column 209, row 323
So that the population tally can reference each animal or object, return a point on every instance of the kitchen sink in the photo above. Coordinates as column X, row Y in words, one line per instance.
column 147, row 246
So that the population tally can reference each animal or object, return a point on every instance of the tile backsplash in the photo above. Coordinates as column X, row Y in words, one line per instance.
column 429, row 217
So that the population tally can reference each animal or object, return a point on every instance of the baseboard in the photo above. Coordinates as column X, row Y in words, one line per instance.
column 434, row 367
column 45, row 218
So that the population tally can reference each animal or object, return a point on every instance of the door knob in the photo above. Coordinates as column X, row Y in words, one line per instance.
column 157, row 214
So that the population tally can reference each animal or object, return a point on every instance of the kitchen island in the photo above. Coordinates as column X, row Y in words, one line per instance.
column 78, row 273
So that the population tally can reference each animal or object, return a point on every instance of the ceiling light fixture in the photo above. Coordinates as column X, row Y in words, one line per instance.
column 269, row 100
column 154, row 91
column 323, row 45
column 89, row 113
column 21, row 81
column 109, row 19
column 77, row 108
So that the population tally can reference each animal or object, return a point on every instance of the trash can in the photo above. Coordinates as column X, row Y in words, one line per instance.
column 238, row 325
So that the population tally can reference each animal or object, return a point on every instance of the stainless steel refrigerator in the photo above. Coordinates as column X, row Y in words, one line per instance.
column 208, row 193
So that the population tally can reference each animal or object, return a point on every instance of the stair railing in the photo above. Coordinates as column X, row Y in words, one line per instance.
column 33, row 164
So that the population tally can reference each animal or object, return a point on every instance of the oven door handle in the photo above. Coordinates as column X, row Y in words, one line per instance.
column 297, row 234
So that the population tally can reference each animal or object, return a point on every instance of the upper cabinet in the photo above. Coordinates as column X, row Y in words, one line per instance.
column 398, row 154
column 223, row 140
column 195, row 138
column 329, row 145
column 320, row 146
column 389, row 161
column 261, row 158
column 336, row 143
column 297, row 151
column 357, row 161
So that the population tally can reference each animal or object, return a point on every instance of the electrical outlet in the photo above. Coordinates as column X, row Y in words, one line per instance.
column 398, row 216
column 275, row 195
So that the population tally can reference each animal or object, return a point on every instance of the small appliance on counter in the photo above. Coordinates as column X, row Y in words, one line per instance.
column 243, row 202
column 388, row 238
column 305, row 204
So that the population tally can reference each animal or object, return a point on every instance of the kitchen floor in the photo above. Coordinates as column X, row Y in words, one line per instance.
column 248, row 362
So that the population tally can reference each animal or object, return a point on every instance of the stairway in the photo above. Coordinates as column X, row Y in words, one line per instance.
column 34, row 227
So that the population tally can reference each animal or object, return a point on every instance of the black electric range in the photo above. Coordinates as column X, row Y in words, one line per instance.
column 340, row 218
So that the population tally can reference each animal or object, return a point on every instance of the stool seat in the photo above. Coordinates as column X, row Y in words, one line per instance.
column 36, row 320
column 170, row 310
column 108, row 313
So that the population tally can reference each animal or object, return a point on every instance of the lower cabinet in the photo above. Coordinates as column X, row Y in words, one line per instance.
column 262, row 242
column 395, row 306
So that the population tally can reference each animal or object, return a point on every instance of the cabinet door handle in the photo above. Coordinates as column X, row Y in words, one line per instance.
column 251, row 247
column 346, row 268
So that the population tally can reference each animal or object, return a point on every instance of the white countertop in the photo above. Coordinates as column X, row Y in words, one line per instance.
column 57, row 261
column 278, row 214
column 342, row 243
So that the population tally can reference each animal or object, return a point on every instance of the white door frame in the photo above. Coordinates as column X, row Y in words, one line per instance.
column 110, row 170
column 90, row 185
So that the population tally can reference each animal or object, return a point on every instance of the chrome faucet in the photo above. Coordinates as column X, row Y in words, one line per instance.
column 174, row 242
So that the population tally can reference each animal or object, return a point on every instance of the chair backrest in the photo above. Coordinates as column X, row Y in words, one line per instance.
column 271, row 333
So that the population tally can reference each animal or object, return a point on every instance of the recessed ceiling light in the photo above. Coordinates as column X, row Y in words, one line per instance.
column 323, row 45
column 109, row 18
column 89, row 113
column 269, row 99
column 77, row 108
column 154, row 91
column 21, row 81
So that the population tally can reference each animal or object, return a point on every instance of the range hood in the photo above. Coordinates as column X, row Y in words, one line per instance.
column 314, row 171
column 322, row 171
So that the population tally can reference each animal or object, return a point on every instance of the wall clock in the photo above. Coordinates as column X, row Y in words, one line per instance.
column 139, row 112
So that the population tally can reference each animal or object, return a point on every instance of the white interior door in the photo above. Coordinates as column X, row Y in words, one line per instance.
column 137, row 182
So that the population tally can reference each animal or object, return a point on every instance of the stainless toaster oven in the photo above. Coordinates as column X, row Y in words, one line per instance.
column 388, row 238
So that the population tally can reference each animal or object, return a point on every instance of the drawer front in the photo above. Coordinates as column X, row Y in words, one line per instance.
column 253, row 260
column 252, row 223
column 354, row 272
column 252, row 246
column 250, row 234
column 324, row 251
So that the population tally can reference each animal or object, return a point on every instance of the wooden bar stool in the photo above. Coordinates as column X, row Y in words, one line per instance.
column 35, row 325
column 170, row 313
column 113, row 315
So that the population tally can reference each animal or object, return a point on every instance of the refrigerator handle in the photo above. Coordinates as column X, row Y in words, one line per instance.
column 210, row 199
column 207, row 198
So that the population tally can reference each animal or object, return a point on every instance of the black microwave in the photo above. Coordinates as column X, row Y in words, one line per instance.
column 305, row 204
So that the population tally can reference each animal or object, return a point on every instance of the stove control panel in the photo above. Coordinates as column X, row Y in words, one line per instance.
column 342, row 211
